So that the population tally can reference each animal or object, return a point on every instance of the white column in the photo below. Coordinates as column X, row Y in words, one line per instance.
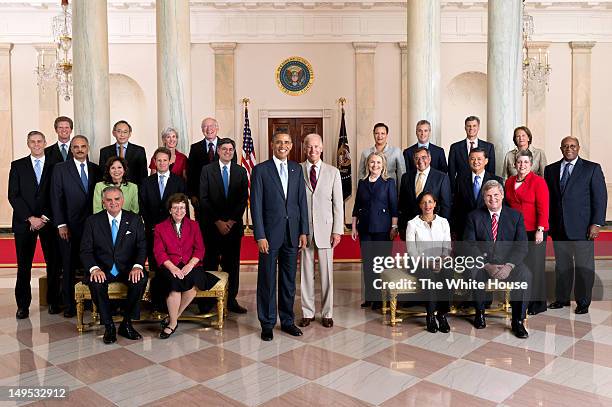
column 48, row 101
column 174, row 69
column 581, row 94
column 504, row 77
column 6, row 132
column 90, row 73
column 424, row 61
column 536, row 100
column 224, row 88
column 404, row 103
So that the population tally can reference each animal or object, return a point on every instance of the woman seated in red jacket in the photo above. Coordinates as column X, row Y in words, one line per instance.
column 528, row 193
column 178, row 249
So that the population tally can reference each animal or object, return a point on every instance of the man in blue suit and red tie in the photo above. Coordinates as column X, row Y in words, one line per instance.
column 280, row 219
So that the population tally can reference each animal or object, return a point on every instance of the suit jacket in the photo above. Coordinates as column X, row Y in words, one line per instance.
column 271, row 212
column 198, row 158
column 408, row 207
column 167, row 245
column 70, row 203
column 97, row 247
column 375, row 205
column 152, row 206
column 458, row 159
column 325, row 205
column 135, row 156
column 583, row 203
column 464, row 202
column 53, row 154
column 438, row 158
column 214, row 205
column 26, row 196
column 530, row 199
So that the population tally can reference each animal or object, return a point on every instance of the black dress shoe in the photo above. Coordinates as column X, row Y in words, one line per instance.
column 443, row 325
column 327, row 322
column 267, row 335
column 366, row 304
column 165, row 335
column 479, row 320
column 127, row 331
column 22, row 313
column 558, row 304
column 582, row 309
column 54, row 309
column 236, row 308
column 110, row 334
column 69, row 312
column 304, row 322
column 292, row 330
column 519, row 329
column 432, row 325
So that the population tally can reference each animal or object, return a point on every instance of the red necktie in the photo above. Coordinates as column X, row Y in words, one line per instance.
column 211, row 152
column 313, row 177
column 494, row 226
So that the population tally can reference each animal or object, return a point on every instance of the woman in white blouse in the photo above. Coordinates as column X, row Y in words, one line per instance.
column 428, row 235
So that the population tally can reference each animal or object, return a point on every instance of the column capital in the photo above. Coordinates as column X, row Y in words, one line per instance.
column 538, row 45
column 223, row 48
column 44, row 46
column 365, row 47
column 581, row 46
column 5, row 48
column 403, row 46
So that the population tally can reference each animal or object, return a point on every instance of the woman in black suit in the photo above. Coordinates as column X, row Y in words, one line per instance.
column 374, row 213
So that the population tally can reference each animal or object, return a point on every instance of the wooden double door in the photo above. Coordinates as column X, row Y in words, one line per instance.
column 297, row 128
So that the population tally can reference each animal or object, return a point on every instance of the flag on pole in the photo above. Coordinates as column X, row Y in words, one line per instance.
column 343, row 160
column 248, row 160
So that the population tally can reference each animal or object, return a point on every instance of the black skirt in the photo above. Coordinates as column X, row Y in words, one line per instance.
column 196, row 277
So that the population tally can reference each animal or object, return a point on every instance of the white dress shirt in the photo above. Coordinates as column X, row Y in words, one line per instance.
column 468, row 146
column 431, row 241
column 228, row 165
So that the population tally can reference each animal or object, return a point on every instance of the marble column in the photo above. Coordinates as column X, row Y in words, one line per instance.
column 6, row 132
column 90, row 74
column 48, row 102
column 405, row 123
column 504, row 75
column 174, row 69
column 581, row 94
column 424, row 60
column 225, row 107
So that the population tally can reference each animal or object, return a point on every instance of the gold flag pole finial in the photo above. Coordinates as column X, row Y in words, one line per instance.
column 245, row 101
column 342, row 101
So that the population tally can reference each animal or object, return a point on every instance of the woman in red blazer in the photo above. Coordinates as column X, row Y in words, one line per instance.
column 528, row 193
column 179, row 250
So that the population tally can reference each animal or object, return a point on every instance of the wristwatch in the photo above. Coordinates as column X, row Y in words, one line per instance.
column 393, row 226
column 540, row 229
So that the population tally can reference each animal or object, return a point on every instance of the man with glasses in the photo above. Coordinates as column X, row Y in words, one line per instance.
column 135, row 155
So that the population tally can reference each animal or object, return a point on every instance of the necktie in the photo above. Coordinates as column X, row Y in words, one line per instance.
column 283, row 177
column 313, row 177
column 565, row 176
column 494, row 226
column 64, row 152
column 476, row 189
column 471, row 145
column 84, row 178
column 419, row 184
column 211, row 152
column 162, row 185
column 225, row 177
column 120, row 148
column 114, row 231
column 37, row 170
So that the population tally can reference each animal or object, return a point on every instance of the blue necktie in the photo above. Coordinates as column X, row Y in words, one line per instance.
column 565, row 176
column 64, row 152
column 114, row 231
column 225, row 177
column 37, row 170
column 84, row 177
column 283, row 177
column 476, row 189
column 162, row 187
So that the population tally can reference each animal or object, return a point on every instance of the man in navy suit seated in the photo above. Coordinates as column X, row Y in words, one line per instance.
column 438, row 159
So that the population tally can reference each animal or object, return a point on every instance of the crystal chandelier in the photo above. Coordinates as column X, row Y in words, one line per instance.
column 61, row 70
column 536, row 72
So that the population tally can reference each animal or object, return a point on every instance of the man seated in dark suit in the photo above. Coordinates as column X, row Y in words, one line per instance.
column 502, row 243
column 467, row 194
column 224, row 191
column 135, row 155
column 423, row 178
column 438, row 159
column 458, row 155
column 28, row 194
column 114, row 249
column 60, row 151
column 578, row 202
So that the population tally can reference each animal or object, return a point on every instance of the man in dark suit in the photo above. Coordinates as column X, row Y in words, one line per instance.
column 458, row 155
column 280, row 220
column 438, row 159
column 72, row 187
column 135, row 155
column 60, row 151
column 578, row 201
column 423, row 178
column 224, row 191
column 114, row 249
column 28, row 194
column 467, row 194
column 501, row 241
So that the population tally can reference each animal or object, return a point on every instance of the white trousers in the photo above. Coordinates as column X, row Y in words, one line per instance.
column 326, row 268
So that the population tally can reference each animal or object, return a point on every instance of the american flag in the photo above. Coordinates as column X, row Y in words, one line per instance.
column 248, row 152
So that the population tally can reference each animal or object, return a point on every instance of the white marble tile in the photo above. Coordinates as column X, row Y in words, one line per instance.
column 595, row 315
column 253, row 347
column 601, row 334
column 579, row 375
column 161, row 350
column 479, row 380
column 355, row 344
column 367, row 381
column 8, row 344
column 539, row 341
column 255, row 384
column 71, row 349
column 349, row 317
column 452, row 344
column 10, row 324
column 142, row 386
column 50, row 376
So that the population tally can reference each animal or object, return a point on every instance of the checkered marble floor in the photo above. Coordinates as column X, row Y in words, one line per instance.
column 566, row 360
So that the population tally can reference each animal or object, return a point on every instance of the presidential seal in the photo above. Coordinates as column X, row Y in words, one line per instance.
column 294, row 76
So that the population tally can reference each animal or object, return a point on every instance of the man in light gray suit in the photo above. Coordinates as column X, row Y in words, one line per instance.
column 326, row 219
column 396, row 166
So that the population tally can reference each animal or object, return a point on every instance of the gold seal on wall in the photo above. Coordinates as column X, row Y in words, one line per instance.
column 294, row 76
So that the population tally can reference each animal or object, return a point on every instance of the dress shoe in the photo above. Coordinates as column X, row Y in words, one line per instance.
column 479, row 320
column 110, row 334
column 366, row 304
column 304, row 322
column 165, row 335
column 327, row 322
column 266, row 335
column 558, row 304
column 236, row 308
column 519, row 329
column 582, row 309
column 432, row 325
column 69, row 312
column 54, row 309
column 291, row 330
column 127, row 331
column 22, row 313
column 376, row 305
column 443, row 325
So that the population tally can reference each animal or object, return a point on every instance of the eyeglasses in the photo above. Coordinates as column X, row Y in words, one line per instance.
column 122, row 131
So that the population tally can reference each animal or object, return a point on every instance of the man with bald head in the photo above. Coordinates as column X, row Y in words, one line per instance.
column 578, row 202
